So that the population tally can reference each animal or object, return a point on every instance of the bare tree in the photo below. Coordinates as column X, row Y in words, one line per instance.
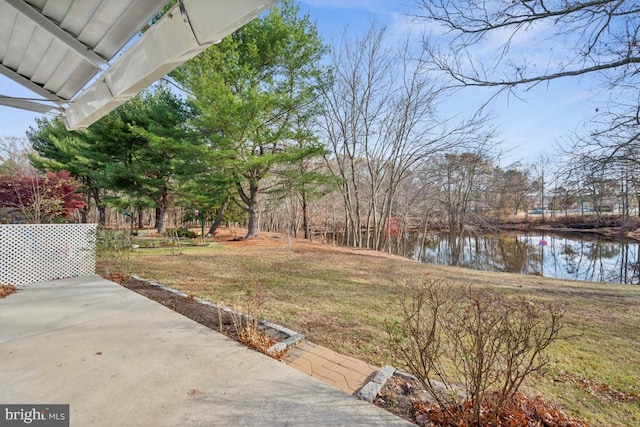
column 511, row 187
column 541, row 167
column 523, row 43
column 604, row 184
column 381, row 122
column 14, row 154
column 602, row 36
column 611, row 147
column 354, row 104
column 463, row 182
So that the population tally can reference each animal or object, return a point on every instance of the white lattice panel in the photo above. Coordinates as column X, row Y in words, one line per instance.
column 32, row 253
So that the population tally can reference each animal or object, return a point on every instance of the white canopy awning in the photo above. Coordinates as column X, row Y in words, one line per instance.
column 70, row 52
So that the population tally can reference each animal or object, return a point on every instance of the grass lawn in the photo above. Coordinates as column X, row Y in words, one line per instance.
column 340, row 298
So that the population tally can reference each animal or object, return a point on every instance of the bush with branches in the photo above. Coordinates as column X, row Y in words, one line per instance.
column 113, row 248
column 479, row 344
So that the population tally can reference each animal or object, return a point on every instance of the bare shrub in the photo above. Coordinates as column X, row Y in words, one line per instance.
column 474, row 341
column 247, row 325
column 113, row 247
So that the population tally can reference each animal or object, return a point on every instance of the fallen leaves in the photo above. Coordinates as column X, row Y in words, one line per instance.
column 521, row 411
column 6, row 290
column 407, row 399
column 257, row 340
column 603, row 391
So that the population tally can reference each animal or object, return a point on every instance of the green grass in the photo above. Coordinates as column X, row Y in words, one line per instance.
column 341, row 298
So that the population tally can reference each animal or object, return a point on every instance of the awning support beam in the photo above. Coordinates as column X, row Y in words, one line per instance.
column 9, row 73
column 26, row 104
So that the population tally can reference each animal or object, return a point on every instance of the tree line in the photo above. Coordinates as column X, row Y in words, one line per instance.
column 275, row 128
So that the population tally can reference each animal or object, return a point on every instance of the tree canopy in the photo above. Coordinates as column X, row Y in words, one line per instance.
column 138, row 150
column 265, row 127
column 251, row 90
column 522, row 43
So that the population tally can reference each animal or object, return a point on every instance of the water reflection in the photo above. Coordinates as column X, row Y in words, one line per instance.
column 568, row 257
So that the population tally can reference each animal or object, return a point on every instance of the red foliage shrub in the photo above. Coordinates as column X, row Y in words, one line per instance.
column 40, row 198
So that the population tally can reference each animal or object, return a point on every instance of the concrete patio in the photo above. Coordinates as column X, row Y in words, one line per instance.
column 118, row 358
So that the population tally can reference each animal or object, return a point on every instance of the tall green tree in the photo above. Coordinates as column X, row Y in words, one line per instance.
column 138, row 150
column 204, row 187
column 149, row 139
column 304, row 180
column 251, row 89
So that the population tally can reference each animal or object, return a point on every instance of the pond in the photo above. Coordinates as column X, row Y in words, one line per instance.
column 578, row 257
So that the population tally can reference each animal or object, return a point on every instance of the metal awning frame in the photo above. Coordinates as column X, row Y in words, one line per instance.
column 184, row 31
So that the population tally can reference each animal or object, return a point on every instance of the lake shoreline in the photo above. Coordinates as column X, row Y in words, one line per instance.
column 610, row 232
column 596, row 254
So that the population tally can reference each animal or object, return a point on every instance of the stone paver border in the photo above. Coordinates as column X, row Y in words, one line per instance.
column 346, row 373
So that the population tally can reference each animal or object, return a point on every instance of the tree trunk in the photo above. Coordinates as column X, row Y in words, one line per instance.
column 99, row 206
column 253, row 209
column 161, row 211
column 85, row 211
column 160, row 219
column 305, row 217
column 218, row 219
column 253, row 227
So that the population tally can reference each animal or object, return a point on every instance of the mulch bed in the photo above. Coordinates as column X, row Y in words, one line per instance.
column 399, row 396
column 223, row 321
column 406, row 398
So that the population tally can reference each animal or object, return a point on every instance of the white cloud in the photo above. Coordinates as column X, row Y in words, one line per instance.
column 404, row 24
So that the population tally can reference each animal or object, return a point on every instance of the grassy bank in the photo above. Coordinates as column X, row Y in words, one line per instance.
column 341, row 297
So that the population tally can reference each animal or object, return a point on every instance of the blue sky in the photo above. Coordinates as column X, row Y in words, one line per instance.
column 528, row 126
